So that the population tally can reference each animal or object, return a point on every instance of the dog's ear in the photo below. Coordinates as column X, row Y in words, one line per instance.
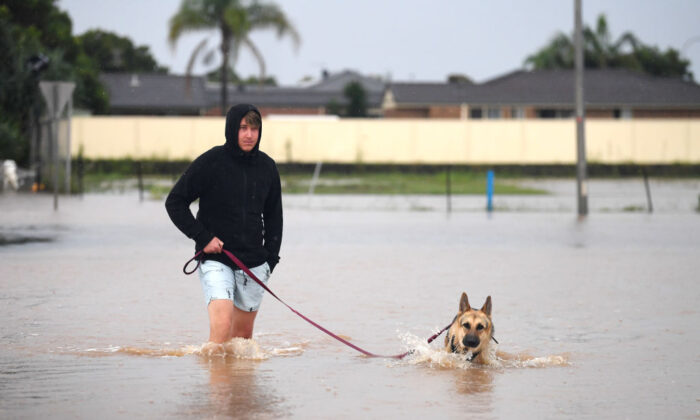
column 487, row 306
column 464, row 303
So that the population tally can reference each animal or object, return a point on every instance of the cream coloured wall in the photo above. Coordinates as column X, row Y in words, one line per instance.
column 416, row 141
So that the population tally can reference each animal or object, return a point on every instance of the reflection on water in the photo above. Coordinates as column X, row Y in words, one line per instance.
column 235, row 389
column 476, row 380
column 595, row 319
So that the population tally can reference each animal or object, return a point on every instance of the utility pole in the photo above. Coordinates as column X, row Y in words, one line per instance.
column 581, row 188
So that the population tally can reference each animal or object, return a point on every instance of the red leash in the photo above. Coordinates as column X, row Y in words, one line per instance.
column 245, row 269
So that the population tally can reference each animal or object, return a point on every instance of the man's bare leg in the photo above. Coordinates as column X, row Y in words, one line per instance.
column 242, row 323
column 221, row 314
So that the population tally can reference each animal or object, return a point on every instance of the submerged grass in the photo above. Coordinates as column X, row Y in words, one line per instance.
column 400, row 183
column 360, row 182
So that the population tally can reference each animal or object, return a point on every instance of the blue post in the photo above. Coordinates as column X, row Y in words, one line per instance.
column 489, row 190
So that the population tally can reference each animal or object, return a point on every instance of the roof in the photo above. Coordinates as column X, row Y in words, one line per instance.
column 156, row 92
column 273, row 96
column 429, row 93
column 609, row 87
column 336, row 82
column 159, row 93
column 601, row 87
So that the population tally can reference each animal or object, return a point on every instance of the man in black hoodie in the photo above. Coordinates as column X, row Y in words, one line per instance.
column 240, row 209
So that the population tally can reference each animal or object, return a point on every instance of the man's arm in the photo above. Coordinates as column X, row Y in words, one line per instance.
column 188, row 188
column 272, row 215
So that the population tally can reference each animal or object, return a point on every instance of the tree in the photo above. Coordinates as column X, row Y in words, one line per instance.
column 459, row 79
column 355, row 103
column 117, row 54
column 600, row 51
column 235, row 20
column 18, row 91
column 30, row 29
column 357, row 100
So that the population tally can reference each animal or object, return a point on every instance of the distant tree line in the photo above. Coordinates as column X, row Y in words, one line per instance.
column 602, row 51
column 36, row 43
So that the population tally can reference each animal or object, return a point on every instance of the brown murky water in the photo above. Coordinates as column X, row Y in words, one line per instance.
column 98, row 319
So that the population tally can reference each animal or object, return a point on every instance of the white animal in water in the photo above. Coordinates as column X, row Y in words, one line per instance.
column 9, row 175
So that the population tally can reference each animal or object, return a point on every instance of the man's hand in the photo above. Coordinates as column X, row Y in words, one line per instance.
column 215, row 246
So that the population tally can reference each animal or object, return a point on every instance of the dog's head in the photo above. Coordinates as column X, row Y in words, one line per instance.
column 471, row 330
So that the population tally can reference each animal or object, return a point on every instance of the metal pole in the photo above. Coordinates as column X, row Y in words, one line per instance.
column 54, row 143
column 581, row 188
column 650, row 207
column 139, row 176
column 490, row 175
column 448, row 181
column 69, row 111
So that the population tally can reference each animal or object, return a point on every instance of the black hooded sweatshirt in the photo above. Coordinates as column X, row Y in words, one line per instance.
column 240, row 199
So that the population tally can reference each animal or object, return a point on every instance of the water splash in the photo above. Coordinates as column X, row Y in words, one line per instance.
column 239, row 348
column 423, row 353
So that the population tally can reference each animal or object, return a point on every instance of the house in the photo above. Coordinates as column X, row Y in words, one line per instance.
column 609, row 93
column 426, row 100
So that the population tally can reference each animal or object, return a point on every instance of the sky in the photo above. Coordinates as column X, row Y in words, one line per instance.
column 400, row 40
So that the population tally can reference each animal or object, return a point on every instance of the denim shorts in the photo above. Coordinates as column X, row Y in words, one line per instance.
column 219, row 281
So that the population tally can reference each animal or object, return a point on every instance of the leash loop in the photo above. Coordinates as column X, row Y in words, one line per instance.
column 250, row 274
column 199, row 261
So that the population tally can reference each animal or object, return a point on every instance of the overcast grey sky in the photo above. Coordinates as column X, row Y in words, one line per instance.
column 402, row 39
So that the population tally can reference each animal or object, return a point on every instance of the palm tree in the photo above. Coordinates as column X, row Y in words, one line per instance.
column 602, row 51
column 234, row 20
column 599, row 50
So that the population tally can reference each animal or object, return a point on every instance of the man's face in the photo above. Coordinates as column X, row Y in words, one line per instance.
column 247, row 136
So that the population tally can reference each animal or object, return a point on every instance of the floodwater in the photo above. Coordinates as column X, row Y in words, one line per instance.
column 599, row 315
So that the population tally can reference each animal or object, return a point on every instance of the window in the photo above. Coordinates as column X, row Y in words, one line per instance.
column 555, row 113
column 475, row 113
column 517, row 112
column 546, row 113
column 493, row 113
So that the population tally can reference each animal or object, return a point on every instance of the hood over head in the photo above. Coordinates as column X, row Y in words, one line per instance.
column 233, row 123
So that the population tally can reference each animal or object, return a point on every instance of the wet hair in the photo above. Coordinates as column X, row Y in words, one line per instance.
column 253, row 119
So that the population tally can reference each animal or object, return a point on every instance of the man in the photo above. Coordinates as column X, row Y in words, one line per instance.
column 240, row 209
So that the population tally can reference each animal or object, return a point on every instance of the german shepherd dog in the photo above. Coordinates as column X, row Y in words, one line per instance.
column 471, row 331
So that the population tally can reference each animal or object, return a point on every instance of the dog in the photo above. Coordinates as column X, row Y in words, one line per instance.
column 471, row 331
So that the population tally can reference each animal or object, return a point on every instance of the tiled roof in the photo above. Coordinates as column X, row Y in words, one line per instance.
column 337, row 82
column 602, row 87
column 160, row 93
column 429, row 93
column 273, row 96
column 154, row 91
column 556, row 87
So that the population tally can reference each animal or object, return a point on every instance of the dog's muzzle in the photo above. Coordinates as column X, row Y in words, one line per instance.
column 470, row 341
